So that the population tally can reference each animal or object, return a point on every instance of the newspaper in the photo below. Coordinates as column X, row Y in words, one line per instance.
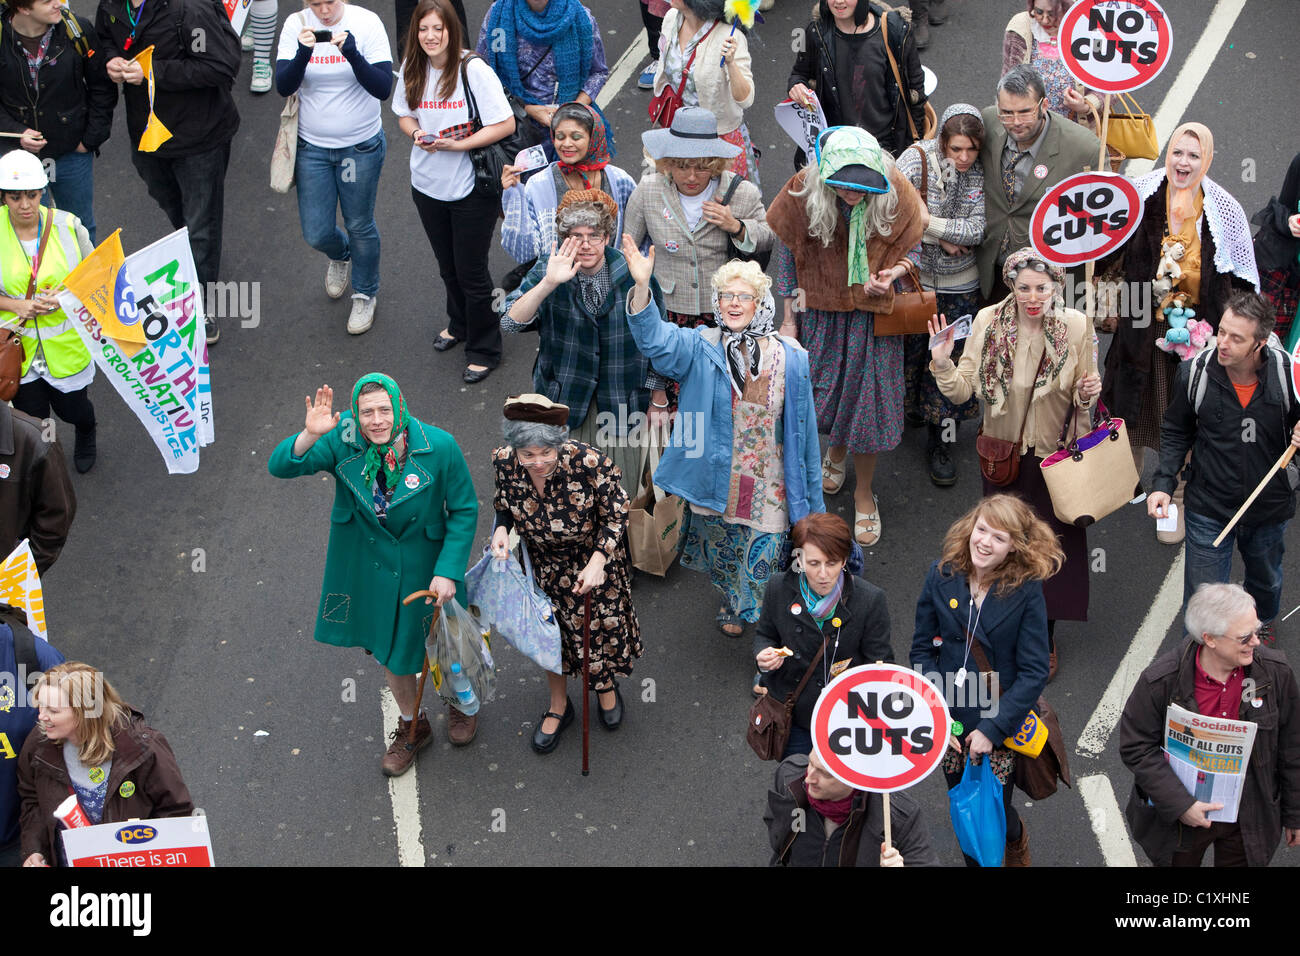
column 1209, row 755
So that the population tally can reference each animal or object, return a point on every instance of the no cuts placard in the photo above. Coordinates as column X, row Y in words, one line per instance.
column 880, row 727
column 1084, row 217
column 1115, row 46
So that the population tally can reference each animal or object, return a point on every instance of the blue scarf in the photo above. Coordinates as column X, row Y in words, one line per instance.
column 563, row 26
column 820, row 607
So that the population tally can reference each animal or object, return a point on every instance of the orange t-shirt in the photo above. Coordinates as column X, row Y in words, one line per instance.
column 1244, row 392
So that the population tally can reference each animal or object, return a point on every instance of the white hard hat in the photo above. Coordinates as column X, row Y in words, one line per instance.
column 20, row 169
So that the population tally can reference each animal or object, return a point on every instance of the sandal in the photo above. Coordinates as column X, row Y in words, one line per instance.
column 833, row 473
column 727, row 619
column 867, row 527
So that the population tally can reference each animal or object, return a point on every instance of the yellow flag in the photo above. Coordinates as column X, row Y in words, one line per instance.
column 155, row 133
column 95, row 282
column 20, row 586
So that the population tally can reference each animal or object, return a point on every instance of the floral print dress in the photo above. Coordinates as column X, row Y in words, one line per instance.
column 583, row 508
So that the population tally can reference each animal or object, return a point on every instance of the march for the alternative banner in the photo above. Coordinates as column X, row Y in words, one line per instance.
column 142, row 320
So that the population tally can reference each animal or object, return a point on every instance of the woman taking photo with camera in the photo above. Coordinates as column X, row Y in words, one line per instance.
column 459, row 219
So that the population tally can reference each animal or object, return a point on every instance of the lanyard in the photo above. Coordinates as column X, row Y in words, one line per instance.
column 134, row 20
column 970, row 634
column 34, row 260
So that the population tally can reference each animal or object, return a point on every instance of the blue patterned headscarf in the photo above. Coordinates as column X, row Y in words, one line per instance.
column 563, row 26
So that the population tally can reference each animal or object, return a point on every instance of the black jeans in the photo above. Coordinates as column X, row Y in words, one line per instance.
column 460, row 232
column 191, row 191
column 1229, row 848
column 653, row 27
column 38, row 397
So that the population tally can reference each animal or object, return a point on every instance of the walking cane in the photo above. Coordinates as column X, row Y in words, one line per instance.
column 586, row 675
column 433, row 622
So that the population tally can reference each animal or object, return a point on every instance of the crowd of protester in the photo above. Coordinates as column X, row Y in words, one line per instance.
column 650, row 285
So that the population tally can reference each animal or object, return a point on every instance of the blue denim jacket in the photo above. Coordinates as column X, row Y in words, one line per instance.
column 695, row 358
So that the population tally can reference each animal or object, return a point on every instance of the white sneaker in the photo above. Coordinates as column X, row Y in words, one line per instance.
column 261, row 82
column 336, row 277
column 363, row 313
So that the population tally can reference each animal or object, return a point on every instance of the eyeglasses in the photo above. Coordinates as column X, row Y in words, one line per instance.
column 1243, row 641
column 744, row 298
column 598, row 240
column 1019, row 114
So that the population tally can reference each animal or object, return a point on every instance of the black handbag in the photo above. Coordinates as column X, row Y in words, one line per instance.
column 488, row 160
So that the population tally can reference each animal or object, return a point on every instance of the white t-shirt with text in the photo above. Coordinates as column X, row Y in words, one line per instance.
column 334, row 110
column 449, row 175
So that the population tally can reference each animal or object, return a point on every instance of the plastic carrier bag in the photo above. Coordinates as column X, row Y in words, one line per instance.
column 978, row 819
column 460, row 638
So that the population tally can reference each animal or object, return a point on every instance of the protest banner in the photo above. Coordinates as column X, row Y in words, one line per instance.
column 1209, row 756
column 1084, row 217
column 237, row 11
column 170, row 841
column 20, row 587
column 801, row 123
column 1115, row 46
column 165, row 382
column 880, row 727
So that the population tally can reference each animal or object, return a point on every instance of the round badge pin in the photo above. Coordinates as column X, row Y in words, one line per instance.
column 412, row 481
column 796, row 610
column 671, row 246
column 952, row 603
column 937, row 641
column 668, row 213
column 96, row 775
column 957, row 728
column 835, row 622
column 1257, row 702
column 4, row 471
column 127, row 790
column 1040, row 171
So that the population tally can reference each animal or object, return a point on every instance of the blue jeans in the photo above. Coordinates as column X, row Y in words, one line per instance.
column 346, row 179
column 72, row 188
column 1261, row 547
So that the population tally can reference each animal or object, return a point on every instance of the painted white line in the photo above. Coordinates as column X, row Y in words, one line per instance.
column 1164, row 609
column 1189, row 78
column 1106, row 819
column 405, row 795
column 624, row 69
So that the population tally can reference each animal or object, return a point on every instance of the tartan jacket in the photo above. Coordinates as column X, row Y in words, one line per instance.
column 582, row 355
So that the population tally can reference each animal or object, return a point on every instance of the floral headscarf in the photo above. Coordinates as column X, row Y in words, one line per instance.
column 997, row 359
column 843, row 146
column 1182, row 202
column 600, row 147
column 388, row 456
column 744, row 349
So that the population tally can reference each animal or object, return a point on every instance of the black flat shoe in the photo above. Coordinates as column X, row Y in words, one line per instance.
column 474, row 376
column 441, row 343
column 610, row 719
column 544, row 743
column 83, row 455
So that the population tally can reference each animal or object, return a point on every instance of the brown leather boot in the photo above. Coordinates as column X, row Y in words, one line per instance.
column 460, row 727
column 409, row 737
column 1017, row 853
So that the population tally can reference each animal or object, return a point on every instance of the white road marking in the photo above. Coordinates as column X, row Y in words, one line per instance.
column 1106, row 819
column 405, row 795
column 625, row 68
column 1189, row 78
column 1164, row 608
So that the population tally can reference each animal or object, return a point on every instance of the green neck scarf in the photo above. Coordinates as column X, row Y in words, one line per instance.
column 387, row 456
column 850, row 146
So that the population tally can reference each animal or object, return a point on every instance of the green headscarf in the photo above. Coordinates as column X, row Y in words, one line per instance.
column 851, row 146
column 387, row 456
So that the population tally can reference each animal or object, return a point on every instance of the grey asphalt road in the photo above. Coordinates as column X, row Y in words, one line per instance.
column 214, row 656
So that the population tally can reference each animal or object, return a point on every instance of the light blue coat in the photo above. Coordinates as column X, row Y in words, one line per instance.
column 696, row 359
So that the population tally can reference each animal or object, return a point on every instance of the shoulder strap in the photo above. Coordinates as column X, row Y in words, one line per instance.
column 1196, row 381
column 525, row 77
column 893, row 65
column 686, row 67
column 472, row 106
column 790, row 701
column 24, row 647
column 731, row 190
column 925, row 173
column 981, row 659
column 80, row 42
column 40, row 251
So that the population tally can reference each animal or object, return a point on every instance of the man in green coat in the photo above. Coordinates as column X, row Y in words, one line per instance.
column 404, row 510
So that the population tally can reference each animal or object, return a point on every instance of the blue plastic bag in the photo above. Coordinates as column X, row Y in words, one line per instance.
column 975, row 806
column 509, row 599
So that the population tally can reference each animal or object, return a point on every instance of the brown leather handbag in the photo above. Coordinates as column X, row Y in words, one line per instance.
column 11, row 344
column 769, row 721
column 999, row 458
column 1035, row 776
column 912, row 310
